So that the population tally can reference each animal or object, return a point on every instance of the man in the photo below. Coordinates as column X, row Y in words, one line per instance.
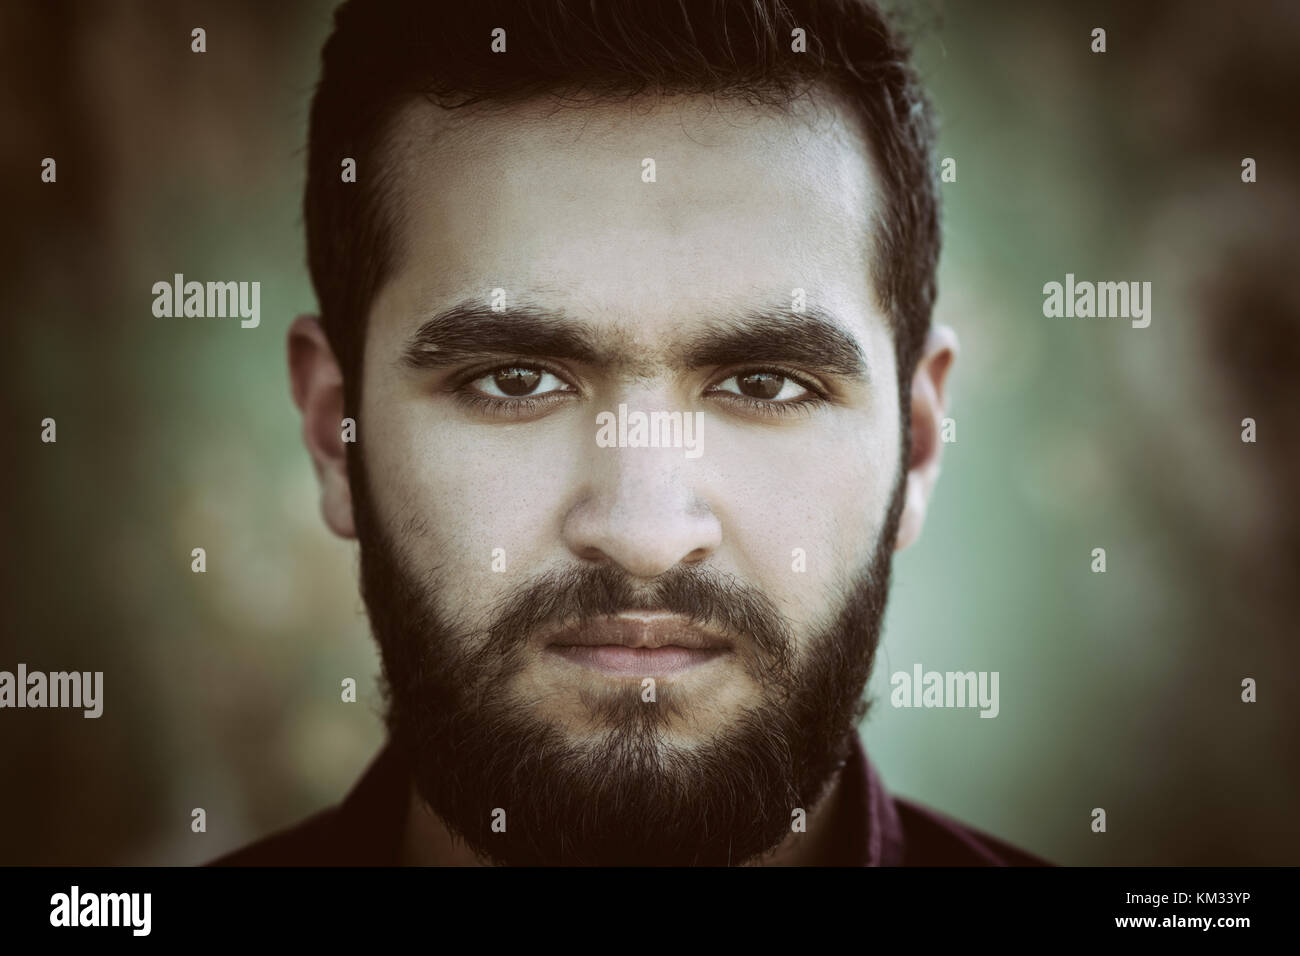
column 627, row 306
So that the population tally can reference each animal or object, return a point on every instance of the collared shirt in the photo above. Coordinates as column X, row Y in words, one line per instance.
column 367, row 828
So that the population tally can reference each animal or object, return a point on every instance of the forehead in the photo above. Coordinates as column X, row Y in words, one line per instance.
column 747, row 203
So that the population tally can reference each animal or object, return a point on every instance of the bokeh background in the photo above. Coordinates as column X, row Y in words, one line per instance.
column 1118, row 690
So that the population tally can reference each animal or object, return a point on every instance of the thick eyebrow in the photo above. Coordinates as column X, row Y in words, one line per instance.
column 470, row 330
column 812, row 339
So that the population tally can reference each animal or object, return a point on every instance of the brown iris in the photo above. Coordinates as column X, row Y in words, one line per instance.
column 760, row 384
column 517, row 381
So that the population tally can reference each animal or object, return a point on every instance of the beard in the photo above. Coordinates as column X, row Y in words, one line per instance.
column 627, row 796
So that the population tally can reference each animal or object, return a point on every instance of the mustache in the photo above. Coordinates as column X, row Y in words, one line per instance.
column 708, row 598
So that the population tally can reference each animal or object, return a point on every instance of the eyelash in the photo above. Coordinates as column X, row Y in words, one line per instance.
column 798, row 406
column 512, row 408
column 505, row 408
column 517, row 408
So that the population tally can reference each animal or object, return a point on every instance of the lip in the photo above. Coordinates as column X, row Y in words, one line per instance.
column 638, row 645
column 639, row 631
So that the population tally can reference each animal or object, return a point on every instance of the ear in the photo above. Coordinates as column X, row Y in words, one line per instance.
column 929, row 404
column 317, row 383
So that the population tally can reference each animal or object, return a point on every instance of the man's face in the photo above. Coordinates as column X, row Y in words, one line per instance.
column 532, row 575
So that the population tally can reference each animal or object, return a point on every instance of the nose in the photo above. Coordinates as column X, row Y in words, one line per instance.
column 639, row 510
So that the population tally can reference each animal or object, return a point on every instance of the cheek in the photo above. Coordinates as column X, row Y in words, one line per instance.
column 801, row 512
column 482, row 504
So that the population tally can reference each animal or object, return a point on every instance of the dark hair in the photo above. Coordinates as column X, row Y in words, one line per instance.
column 384, row 52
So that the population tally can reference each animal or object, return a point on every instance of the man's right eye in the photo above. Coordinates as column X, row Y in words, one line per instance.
column 518, row 381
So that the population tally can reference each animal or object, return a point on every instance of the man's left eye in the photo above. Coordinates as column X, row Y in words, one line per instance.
column 764, row 386
column 519, row 381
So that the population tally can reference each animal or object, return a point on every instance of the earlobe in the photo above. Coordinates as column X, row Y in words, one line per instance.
column 316, row 383
column 929, row 405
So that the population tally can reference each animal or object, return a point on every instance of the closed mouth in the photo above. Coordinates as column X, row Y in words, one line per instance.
column 638, row 645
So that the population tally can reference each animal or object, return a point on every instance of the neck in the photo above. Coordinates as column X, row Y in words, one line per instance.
column 817, row 846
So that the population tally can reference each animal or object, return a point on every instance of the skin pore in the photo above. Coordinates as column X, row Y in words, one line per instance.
column 478, row 426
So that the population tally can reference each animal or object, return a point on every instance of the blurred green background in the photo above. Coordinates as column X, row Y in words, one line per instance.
column 1118, row 690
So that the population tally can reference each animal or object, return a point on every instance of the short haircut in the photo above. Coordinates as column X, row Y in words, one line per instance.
column 382, row 53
